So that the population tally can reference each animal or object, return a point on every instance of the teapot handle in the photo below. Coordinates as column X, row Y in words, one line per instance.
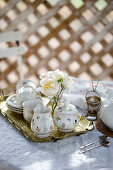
column 91, row 92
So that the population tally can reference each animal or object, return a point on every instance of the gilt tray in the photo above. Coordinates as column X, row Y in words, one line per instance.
column 18, row 121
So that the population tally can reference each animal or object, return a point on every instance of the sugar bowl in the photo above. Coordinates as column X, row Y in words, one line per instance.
column 65, row 117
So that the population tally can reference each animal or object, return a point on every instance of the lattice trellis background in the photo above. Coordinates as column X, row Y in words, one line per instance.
column 73, row 35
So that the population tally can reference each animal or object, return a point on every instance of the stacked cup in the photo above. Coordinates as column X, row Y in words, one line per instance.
column 25, row 96
column 25, row 91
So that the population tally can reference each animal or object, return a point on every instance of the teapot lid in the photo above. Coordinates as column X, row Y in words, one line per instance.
column 42, row 109
column 69, row 109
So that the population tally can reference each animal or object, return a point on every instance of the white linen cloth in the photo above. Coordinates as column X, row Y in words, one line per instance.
column 77, row 100
column 18, row 153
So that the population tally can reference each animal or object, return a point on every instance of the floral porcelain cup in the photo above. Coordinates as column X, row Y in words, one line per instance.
column 28, row 109
column 65, row 118
column 42, row 122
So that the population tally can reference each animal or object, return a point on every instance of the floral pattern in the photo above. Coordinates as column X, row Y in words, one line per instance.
column 38, row 117
column 32, row 112
column 58, row 118
column 69, row 119
column 51, row 127
column 38, row 129
column 63, row 125
column 75, row 121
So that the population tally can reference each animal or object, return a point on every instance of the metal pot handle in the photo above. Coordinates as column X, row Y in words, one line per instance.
column 90, row 92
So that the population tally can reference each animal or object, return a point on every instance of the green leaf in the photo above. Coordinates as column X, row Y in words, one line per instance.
column 60, row 80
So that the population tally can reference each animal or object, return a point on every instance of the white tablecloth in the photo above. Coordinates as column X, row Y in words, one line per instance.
column 17, row 153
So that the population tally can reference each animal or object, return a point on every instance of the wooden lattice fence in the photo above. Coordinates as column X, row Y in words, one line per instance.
column 73, row 35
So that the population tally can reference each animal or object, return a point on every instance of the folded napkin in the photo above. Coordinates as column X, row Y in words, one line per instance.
column 77, row 100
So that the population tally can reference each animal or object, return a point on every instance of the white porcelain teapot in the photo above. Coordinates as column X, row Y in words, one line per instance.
column 106, row 113
column 110, row 93
column 42, row 122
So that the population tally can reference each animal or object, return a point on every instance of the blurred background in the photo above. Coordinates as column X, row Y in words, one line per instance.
column 75, row 36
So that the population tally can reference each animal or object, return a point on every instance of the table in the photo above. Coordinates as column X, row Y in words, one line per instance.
column 17, row 153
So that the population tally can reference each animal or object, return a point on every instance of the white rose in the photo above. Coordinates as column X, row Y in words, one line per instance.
column 49, row 87
column 59, row 74
column 67, row 81
column 43, row 75
column 54, row 76
column 49, row 75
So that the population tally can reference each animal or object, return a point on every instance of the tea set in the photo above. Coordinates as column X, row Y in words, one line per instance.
column 29, row 102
